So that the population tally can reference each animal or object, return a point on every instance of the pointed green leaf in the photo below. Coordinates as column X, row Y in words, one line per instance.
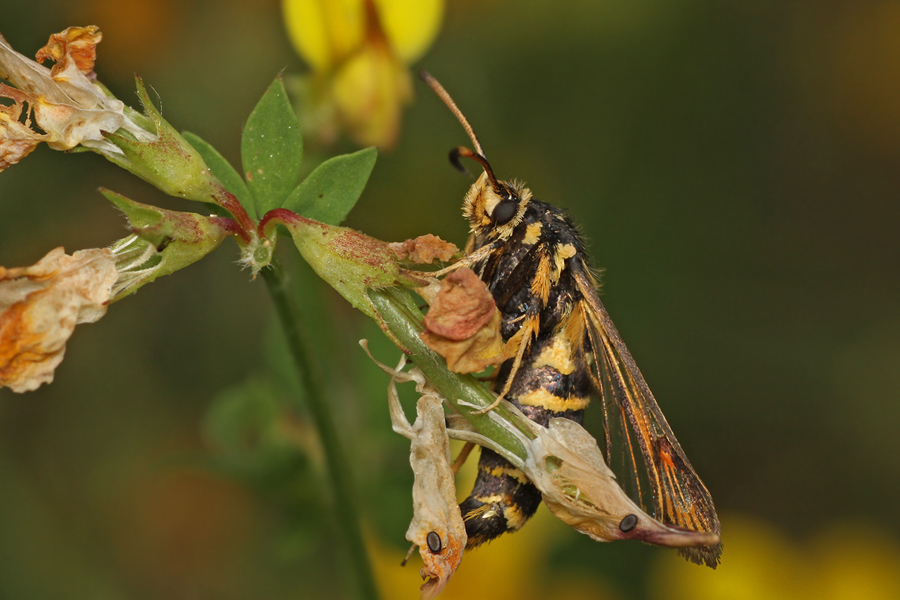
column 271, row 149
column 223, row 171
column 330, row 191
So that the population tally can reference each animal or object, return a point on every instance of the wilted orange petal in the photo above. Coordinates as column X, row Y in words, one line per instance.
column 462, row 307
column 75, row 44
column 472, row 355
column 40, row 306
column 463, row 324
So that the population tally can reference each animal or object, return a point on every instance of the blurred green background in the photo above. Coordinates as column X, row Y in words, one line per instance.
column 734, row 167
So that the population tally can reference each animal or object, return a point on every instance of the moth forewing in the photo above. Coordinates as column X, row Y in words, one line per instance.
column 639, row 437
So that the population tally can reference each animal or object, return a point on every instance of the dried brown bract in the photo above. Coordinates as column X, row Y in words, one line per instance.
column 425, row 249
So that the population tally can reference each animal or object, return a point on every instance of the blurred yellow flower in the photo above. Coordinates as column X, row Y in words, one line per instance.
column 359, row 51
column 843, row 562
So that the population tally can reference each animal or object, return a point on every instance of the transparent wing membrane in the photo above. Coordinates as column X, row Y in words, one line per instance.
column 641, row 448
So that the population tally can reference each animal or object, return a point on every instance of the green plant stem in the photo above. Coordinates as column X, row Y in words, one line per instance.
column 464, row 392
column 345, row 509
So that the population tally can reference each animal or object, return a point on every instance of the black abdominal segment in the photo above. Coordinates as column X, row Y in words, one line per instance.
column 528, row 276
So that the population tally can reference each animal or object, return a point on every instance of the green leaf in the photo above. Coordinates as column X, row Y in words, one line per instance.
column 330, row 191
column 272, row 149
column 223, row 171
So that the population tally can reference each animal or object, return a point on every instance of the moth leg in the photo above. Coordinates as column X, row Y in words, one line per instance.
column 524, row 335
column 466, row 261
column 462, row 457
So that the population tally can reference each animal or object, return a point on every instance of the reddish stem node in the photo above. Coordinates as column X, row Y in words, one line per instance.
column 229, row 202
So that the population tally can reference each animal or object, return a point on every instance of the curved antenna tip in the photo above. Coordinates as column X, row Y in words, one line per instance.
column 454, row 160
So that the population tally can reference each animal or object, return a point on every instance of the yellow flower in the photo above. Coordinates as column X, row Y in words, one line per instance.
column 359, row 51
column 40, row 306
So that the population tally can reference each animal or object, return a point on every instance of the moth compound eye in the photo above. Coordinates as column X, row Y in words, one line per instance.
column 628, row 523
column 504, row 211
column 434, row 542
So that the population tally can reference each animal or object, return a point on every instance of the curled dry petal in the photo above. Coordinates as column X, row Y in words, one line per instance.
column 17, row 139
column 437, row 527
column 40, row 306
column 75, row 47
column 463, row 324
column 474, row 354
column 424, row 249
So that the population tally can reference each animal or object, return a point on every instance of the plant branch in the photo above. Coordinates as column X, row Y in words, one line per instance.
column 464, row 392
column 345, row 510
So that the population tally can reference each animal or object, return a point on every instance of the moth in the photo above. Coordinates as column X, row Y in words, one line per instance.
column 566, row 350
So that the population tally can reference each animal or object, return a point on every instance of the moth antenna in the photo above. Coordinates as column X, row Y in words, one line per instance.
column 463, row 152
column 435, row 85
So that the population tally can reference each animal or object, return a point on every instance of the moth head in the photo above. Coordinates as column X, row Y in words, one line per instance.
column 493, row 208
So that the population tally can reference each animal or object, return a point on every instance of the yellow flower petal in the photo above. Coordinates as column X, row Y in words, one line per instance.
column 410, row 25
column 358, row 50
column 325, row 32
column 370, row 91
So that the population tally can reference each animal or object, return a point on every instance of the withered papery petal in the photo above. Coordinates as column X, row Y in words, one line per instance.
column 29, row 76
column 462, row 307
column 567, row 466
column 485, row 348
column 463, row 323
column 68, row 125
column 67, row 104
column 40, row 306
column 435, row 510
